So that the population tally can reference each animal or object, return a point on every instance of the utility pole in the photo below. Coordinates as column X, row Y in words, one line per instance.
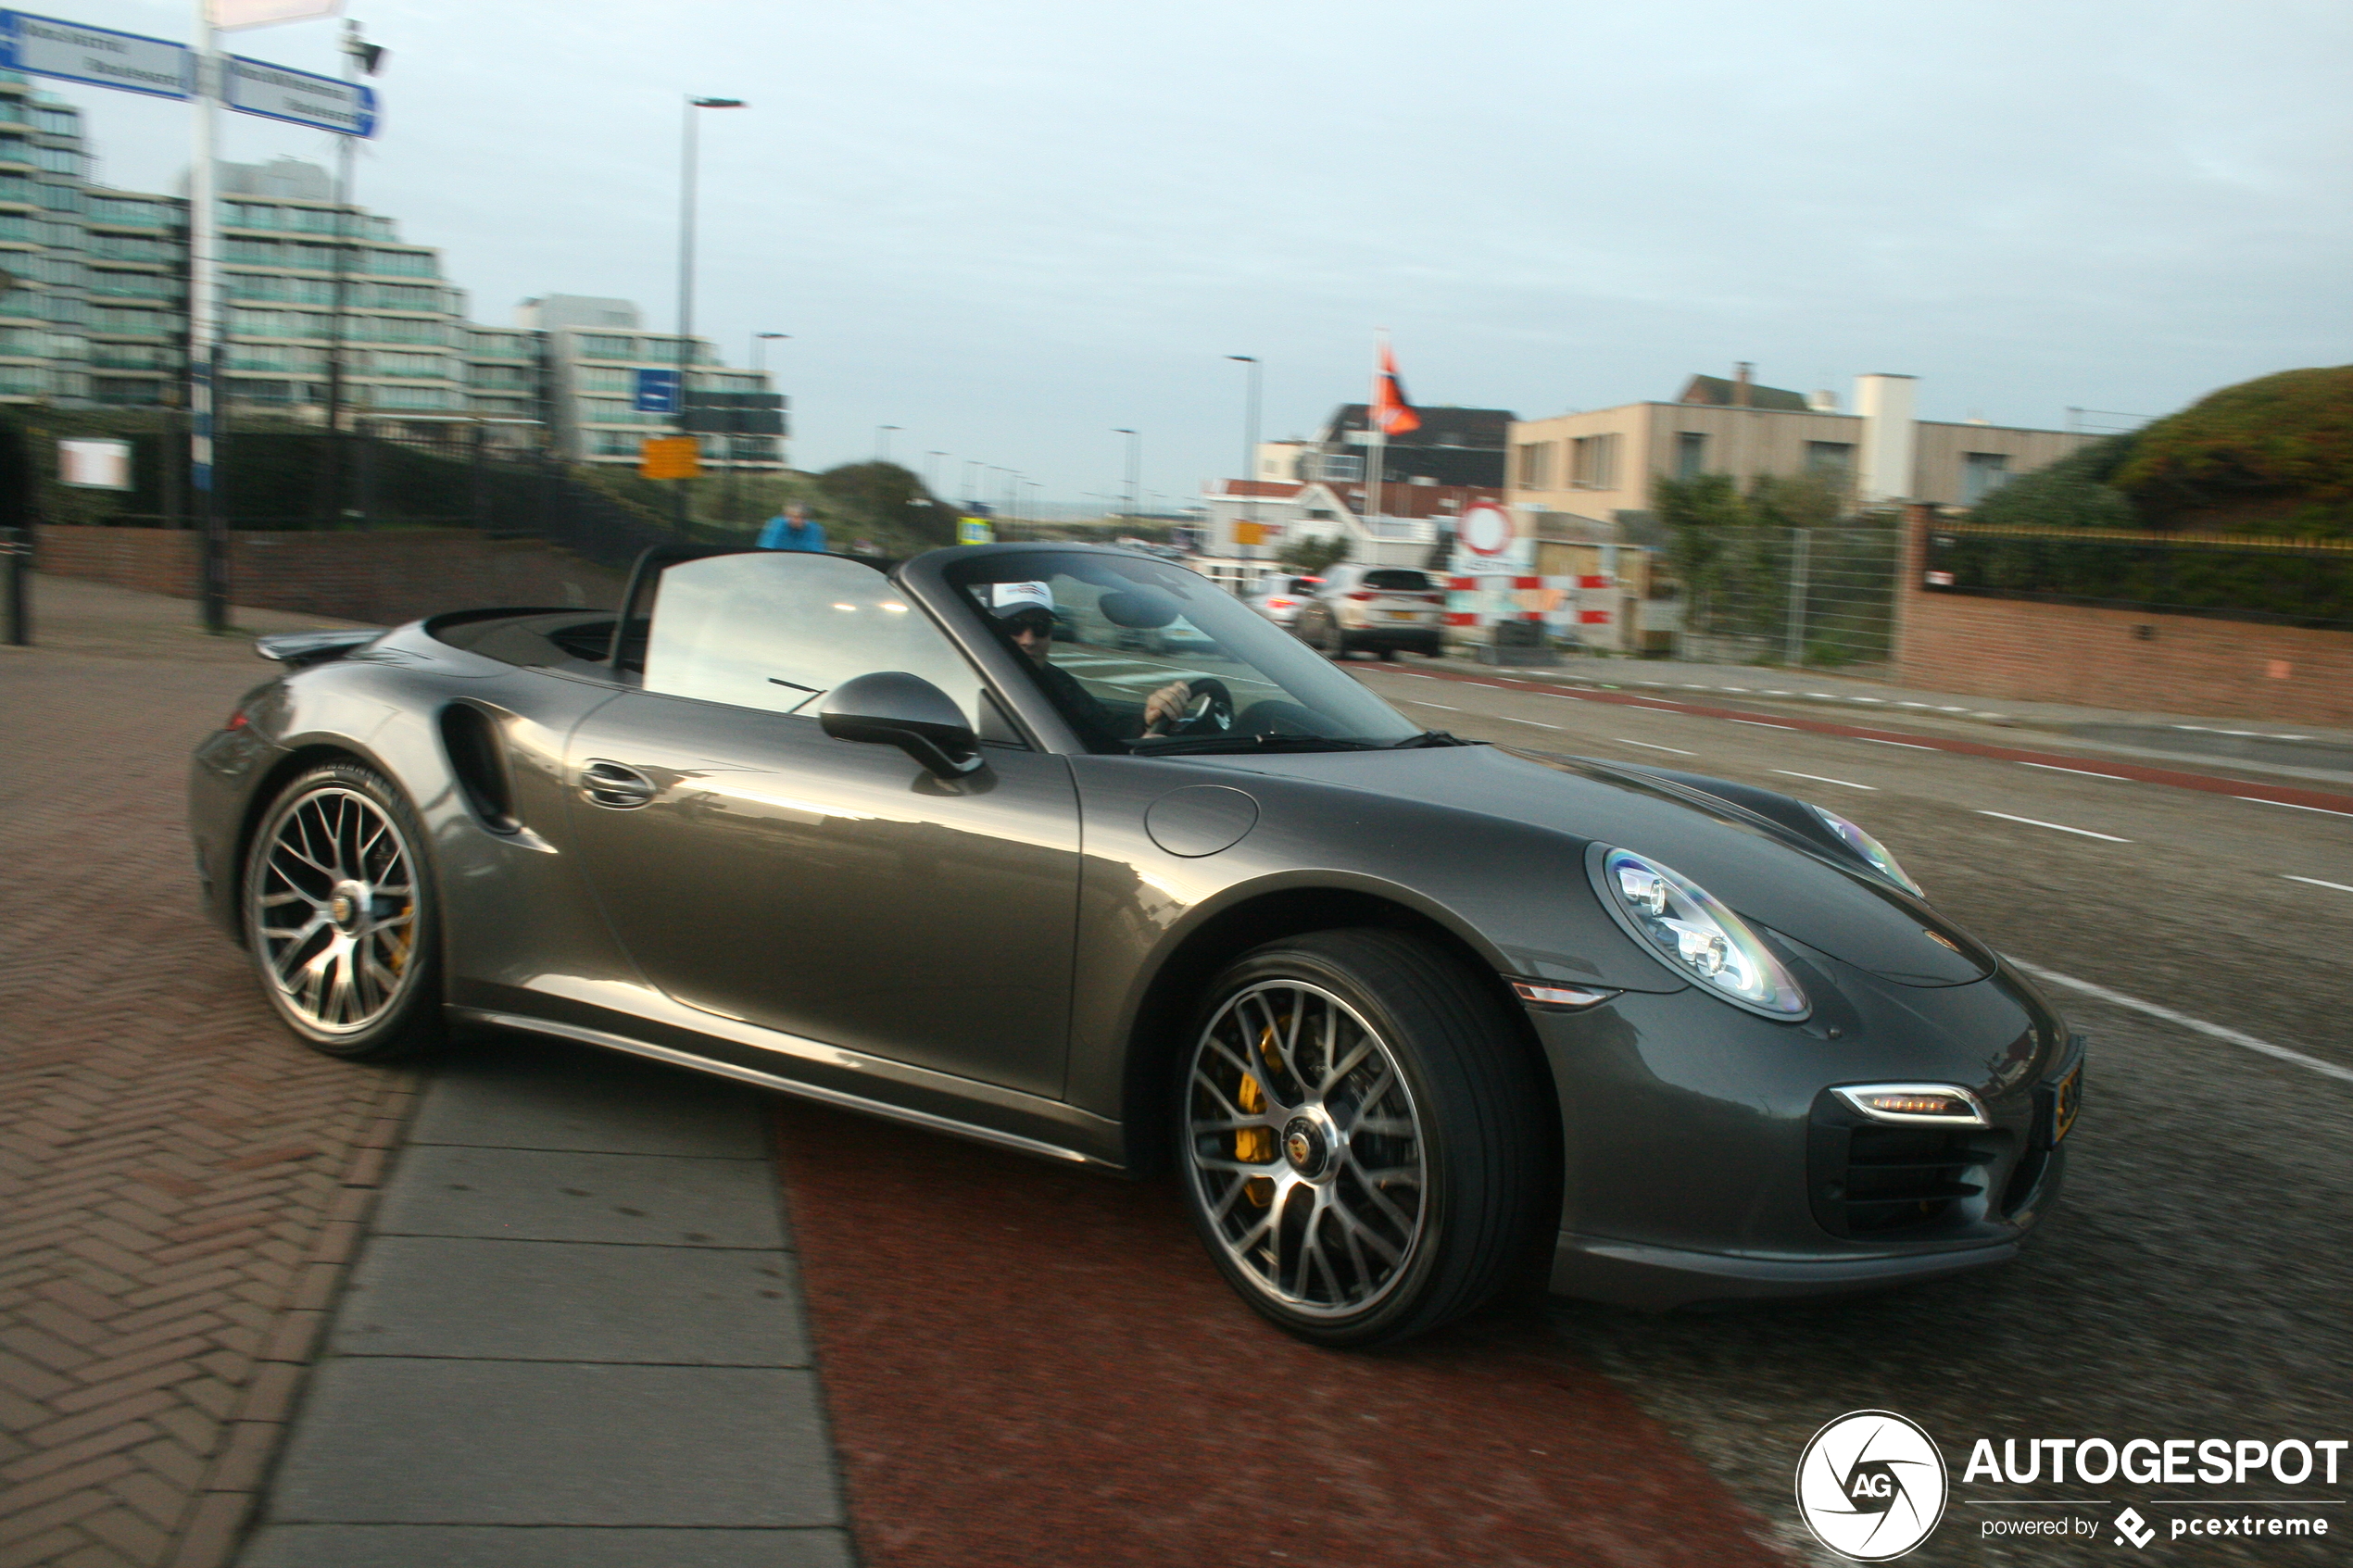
column 1249, row 449
column 1135, row 467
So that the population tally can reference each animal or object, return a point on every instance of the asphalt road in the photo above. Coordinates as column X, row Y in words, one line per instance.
column 2194, row 1282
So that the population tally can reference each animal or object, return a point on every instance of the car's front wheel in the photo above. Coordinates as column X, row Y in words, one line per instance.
column 1361, row 1136
column 339, row 918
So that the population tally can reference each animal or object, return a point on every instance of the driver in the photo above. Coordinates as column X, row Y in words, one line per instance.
column 1025, row 612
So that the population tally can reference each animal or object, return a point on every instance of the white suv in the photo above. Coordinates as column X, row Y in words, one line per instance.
column 1379, row 608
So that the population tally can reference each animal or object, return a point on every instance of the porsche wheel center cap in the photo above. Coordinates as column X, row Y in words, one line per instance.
column 343, row 906
column 1305, row 1147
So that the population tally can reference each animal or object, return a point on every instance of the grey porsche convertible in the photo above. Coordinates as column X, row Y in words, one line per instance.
column 1061, row 848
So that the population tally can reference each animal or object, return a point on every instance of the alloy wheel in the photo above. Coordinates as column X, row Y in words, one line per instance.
column 1306, row 1149
column 332, row 906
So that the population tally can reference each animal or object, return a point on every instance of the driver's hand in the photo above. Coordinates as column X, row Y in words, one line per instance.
column 1167, row 704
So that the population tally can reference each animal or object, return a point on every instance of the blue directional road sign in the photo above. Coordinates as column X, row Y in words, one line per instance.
column 299, row 97
column 98, row 56
column 657, row 391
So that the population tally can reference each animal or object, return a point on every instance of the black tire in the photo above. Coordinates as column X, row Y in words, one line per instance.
column 1333, row 644
column 1339, row 1245
column 1389, row 653
column 339, row 914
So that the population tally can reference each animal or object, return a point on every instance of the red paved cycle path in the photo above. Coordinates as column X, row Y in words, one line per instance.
column 1035, row 1364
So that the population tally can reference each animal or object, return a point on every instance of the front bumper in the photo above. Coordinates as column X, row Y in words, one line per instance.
column 1704, row 1159
column 1629, row 1274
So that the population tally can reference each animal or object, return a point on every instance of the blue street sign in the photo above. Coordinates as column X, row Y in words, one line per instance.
column 97, row 56
column 299, row 97
column 657, row 391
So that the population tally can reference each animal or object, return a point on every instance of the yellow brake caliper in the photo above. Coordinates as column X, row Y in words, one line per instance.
column 1255, row 1146
column 397, row 946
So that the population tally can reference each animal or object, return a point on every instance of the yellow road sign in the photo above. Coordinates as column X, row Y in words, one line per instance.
column 669, row 457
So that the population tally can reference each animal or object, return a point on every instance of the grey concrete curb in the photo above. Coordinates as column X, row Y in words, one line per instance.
column 575, row 1336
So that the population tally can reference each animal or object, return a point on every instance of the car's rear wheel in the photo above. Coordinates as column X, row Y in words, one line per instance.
column 1360, row 1136
column 339, row 918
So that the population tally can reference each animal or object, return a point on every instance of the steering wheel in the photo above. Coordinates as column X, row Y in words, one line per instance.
column 1211, row 712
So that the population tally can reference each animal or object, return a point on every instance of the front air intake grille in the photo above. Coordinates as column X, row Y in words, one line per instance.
column 1871, row 1182
column 1901, row 1180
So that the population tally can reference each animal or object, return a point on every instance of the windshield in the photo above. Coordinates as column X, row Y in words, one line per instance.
column 1143, row 656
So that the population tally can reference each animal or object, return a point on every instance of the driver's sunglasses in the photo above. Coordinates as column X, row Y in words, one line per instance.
column 1033, row 624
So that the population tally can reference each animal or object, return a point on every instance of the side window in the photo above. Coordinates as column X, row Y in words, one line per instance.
column 777, row 630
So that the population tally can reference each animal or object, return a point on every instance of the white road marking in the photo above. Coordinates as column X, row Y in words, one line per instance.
column 2055, row 768
column 2317, row 881
column 1647, row 746
column 2235, row 1036
column 1819, row 778
column 2292, row 806
column 2061, row 827
column 1759, row 723
column 1905, row 744
column 1538, row 722
column 1411, row 676
column 1419, row 703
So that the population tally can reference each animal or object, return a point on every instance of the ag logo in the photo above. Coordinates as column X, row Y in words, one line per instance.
column 1871, row 1485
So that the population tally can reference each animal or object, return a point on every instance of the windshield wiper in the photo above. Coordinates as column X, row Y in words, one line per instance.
column 1432, row 738
column 1164, row 746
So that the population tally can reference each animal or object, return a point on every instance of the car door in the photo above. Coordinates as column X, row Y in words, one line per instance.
column 756, row 868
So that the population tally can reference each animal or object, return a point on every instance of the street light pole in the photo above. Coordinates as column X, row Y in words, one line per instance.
column 1249, row 448
column 686, row 171
column 1135, row 466
column 882, row 440
column 931, row 474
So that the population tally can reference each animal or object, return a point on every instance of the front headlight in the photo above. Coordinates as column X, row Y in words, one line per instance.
column 1870, row 848
column 1693, row 935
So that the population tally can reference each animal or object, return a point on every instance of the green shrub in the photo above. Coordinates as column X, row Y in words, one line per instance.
column 2271, row 456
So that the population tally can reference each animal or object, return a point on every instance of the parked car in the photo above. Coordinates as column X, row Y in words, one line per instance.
column 1279, row 598
column 1376, row 609
column 1395, row 1006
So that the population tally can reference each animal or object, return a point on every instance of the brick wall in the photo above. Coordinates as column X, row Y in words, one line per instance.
column 2033, row 652
column 383, row 578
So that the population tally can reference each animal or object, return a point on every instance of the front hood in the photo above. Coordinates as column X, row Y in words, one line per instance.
column 1850, row 914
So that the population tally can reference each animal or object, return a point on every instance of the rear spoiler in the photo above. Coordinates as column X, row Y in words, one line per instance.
column 298, row 649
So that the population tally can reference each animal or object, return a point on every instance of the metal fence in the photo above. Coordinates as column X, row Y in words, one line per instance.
column 1818, row 598
column 274, row 480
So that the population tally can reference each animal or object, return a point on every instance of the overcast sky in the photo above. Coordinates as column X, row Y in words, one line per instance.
column 1010, row 227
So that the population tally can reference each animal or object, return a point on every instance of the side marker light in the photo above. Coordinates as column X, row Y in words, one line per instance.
column 1559, row 996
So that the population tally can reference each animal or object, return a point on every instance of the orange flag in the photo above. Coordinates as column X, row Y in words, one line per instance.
column 1390, row 411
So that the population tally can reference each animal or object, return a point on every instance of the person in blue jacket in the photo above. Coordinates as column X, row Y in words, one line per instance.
column 792, row 529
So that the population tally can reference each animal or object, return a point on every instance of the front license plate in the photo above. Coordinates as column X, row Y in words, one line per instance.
column 2066, row 1103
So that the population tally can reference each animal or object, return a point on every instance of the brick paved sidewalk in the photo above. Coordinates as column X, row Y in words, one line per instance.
column 180, row 1180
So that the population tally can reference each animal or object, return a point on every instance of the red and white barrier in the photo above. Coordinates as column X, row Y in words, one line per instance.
column 1561, row 603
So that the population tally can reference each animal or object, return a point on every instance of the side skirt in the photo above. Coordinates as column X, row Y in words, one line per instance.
column 752, row 1075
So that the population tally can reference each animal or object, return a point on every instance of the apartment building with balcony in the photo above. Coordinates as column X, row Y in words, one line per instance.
column 44, row 299
column 595, row 348
column 1604, row 465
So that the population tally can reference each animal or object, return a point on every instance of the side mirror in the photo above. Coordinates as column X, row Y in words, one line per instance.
column 907, row 711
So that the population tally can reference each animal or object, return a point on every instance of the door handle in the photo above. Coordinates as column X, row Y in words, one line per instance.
column 612, row 786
